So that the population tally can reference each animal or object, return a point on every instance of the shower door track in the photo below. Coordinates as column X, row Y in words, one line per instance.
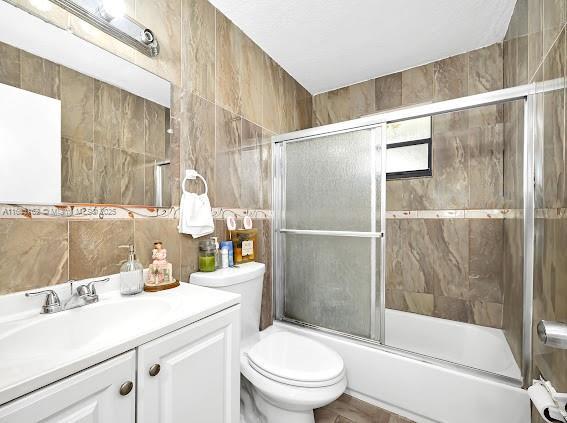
column 526, row 93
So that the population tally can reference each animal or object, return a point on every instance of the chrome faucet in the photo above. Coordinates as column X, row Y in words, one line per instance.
column 83, row 295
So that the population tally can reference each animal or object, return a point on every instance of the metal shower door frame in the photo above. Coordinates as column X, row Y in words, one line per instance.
column 527, row 93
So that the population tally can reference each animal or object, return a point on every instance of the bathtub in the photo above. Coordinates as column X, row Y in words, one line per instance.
column 426, row 392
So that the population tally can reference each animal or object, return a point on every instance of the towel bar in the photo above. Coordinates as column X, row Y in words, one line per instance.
column 192, row 174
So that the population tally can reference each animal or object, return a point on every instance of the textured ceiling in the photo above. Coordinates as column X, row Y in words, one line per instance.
column 327, row 44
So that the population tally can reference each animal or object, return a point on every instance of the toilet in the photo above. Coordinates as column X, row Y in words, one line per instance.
column 285, row 375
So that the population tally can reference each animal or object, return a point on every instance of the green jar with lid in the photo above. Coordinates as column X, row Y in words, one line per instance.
column 207, row 249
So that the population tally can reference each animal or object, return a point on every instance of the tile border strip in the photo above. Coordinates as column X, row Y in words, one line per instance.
column 100, row 212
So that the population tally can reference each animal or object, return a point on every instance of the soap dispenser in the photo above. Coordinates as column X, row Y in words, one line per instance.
column 131, row 274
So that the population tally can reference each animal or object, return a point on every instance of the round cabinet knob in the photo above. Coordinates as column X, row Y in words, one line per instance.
column 126, row 388
column 154, row 370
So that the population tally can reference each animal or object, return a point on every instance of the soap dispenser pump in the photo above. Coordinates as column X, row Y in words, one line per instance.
column 131, row 274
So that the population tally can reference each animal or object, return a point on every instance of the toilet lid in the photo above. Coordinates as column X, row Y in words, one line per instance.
column 296, row 360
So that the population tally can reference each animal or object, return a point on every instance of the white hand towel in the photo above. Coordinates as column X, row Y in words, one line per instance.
column 195, row 215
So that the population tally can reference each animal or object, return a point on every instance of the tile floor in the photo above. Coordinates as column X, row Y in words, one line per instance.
column 348, row 409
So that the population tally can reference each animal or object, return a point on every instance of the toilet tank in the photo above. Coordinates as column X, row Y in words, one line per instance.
column 247, row 280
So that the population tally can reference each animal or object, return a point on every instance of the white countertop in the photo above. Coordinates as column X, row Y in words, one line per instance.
column 38, row 349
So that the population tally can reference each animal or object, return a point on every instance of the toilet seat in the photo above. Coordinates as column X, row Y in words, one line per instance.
column 296, row 360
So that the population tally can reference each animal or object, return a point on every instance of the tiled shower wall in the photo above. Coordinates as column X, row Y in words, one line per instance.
column 442, row 260
column 229, row 97
column 535, row 51
column 110, row 137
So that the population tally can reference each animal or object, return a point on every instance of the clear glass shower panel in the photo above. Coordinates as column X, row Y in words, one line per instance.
column 329, row 182
column 454, row 264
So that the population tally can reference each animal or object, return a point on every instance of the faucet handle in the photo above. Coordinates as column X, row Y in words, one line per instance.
column 52, row 302
column 91, row 285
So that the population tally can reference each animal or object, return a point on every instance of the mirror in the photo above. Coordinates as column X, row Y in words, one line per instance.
column 77, row 123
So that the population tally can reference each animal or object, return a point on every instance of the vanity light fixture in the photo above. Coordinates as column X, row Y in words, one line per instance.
column 110, row 17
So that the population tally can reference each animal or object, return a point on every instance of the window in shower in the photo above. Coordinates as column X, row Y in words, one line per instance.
column 409, row 149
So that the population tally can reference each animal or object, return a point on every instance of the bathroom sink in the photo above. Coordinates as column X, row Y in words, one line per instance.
column 65, row 336
column 79, row 328
column 38, row 349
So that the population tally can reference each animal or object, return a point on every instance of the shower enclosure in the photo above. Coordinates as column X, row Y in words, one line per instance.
column 346, row 263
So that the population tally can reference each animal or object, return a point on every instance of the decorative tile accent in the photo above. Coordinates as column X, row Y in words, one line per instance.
column 100, row 212
column 441, row 214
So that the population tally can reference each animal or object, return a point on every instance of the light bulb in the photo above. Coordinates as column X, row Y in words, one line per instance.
column 112, row 9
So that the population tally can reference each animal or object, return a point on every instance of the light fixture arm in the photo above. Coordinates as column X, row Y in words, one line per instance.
column 124, row 29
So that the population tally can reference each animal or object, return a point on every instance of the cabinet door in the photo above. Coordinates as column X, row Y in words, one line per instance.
column 199, row 375
column 91, row 396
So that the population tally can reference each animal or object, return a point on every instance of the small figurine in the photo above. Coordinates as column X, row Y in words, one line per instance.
column 159, row 254
column 160, row 269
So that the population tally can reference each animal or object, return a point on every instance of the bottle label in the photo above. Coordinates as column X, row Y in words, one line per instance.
column 247, row 248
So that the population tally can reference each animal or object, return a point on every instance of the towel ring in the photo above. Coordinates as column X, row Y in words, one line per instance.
column 191, row 174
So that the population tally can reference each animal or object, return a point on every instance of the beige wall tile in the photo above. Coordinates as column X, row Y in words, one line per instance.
column 251, row 78
column 251, row 166
column 107, row 175
column 486, row 244
column 39, row 75
column 272, row 96
column 553, row 121
column 451, row 77
column 77, row 105
column 485, row 69
column 107, row 115
column 154, row 129
column 228, row 64
column 198, row 48
column 535, row 36
column 149, row 180
column 34, row 254
column 449, row 186
column 388, row 91
column 266, row 157
column 93, row 246
column 189, row 256
column 9, row 65
column 132, row 174
column 486, row 167
column 413, row 302
column 132, row 117
column 228, row 135
column 345, row 103
column 553, row 21
column 449, row 248
column 417, row 85
column 148, row 231
column 198, row 142
column 77, row 160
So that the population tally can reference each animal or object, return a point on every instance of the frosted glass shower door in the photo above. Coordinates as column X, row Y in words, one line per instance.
column 331, row 231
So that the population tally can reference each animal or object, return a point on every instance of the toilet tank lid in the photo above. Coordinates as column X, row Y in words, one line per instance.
column 230, row 276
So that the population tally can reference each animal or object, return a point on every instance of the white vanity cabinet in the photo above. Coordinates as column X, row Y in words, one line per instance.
column 92, row 395
column 191, row 374
column 198, row 378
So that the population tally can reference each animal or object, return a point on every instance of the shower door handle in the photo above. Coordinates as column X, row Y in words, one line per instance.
column 553, row 334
